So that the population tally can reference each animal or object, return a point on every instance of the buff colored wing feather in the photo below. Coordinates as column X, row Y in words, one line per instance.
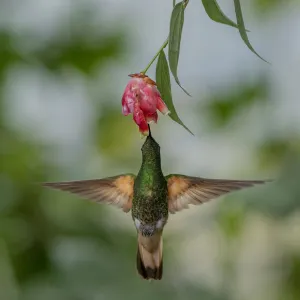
column 185, row 190
column 116, row 190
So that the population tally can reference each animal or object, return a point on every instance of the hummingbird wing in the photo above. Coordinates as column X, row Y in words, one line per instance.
column 185, row 190
column 116, row 190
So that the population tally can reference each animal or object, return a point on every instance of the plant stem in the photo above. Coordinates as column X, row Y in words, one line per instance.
column 164, row 45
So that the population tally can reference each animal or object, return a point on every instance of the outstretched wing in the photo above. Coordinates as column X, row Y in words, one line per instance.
column 116, row 190
column 185, row 190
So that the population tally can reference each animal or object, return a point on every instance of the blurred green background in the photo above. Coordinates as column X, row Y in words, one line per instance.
column 63, row 68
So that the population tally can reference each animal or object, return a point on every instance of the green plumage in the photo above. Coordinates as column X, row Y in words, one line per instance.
column 150, row 187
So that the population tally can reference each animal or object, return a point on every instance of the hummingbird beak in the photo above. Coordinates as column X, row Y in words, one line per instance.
column 149, row 131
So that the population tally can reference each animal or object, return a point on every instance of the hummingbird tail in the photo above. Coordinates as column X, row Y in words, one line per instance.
column 149, row 257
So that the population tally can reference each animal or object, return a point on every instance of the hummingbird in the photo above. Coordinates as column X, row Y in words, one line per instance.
column 151, row 197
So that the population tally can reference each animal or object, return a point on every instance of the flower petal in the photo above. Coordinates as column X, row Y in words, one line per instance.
column 147, row 100
column 160, row 104
column 162, row 107
column 151, row 117
column 128, row 99
column 140, row 120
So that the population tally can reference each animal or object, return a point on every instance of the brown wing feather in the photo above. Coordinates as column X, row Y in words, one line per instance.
column 185, row 190
column 116, row 190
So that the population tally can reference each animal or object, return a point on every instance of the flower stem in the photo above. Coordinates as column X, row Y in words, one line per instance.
column 164, row 45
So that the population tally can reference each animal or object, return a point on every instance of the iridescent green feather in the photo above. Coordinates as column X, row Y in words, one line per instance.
column 150, row 188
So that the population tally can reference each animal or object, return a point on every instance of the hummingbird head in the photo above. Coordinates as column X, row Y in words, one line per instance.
column 150, row 145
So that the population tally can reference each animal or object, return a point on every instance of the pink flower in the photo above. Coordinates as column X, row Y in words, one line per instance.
column 142, row 98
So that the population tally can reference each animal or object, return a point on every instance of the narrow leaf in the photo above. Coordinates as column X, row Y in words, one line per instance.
column 241, row 27
column 164, row 86
column 214, row 11
column 176, row 25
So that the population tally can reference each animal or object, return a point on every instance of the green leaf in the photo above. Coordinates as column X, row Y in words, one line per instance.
column 176, row 24
column 214, row 11
column 164, row 86
column 241, row 27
